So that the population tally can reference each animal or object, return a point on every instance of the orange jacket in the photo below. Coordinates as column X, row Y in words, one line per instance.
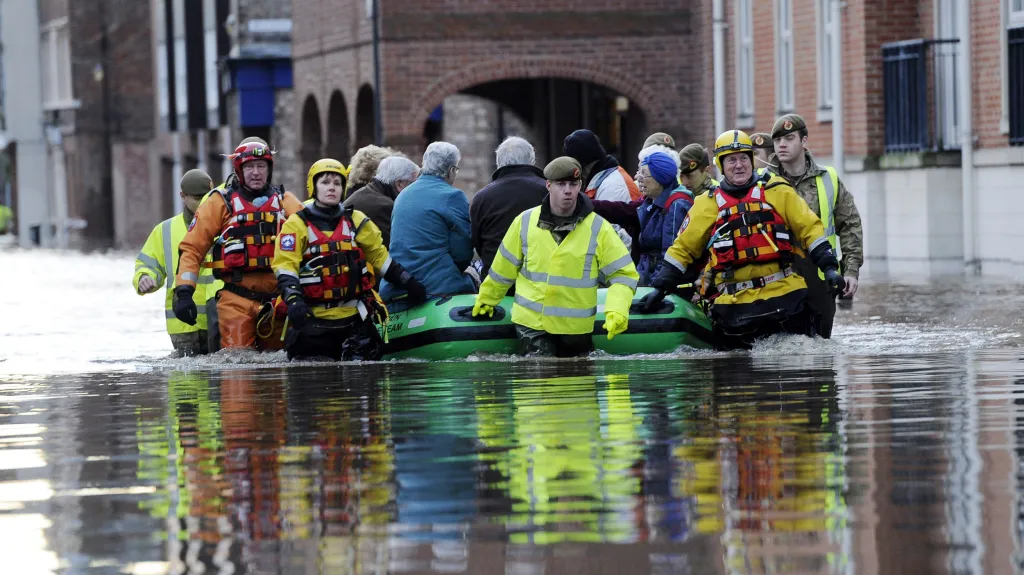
column 211, row 219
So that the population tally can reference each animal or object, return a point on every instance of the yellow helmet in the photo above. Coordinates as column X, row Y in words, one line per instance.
column 323, row 166
column 732, row 142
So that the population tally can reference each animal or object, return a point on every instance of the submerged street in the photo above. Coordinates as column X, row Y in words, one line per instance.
column 893, row 448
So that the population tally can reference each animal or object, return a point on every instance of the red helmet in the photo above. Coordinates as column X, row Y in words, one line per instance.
column 249, row 153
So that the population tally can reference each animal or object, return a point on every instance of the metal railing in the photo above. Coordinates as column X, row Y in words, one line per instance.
column 920, row 90
column 1015, row 61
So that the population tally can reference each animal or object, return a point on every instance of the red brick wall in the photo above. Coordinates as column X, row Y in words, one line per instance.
column 649, row 50
column 987, row 47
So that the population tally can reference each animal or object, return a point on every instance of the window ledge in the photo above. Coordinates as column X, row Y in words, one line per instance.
column 824, row 115
column 56, row 105
column 745, row 122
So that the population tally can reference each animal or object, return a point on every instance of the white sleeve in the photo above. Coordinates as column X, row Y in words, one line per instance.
column 613, row 189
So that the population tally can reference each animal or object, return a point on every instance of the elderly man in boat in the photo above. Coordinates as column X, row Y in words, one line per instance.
column 556, row 254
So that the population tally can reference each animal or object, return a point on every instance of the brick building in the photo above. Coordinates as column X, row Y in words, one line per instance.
column 901, row 119
column 548, row 67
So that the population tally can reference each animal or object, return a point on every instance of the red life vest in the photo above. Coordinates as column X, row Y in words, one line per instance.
column 749, row 230
column 334, row 268
column 246, row 243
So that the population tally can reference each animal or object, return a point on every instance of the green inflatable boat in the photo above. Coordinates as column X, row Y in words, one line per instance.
column 446, row 329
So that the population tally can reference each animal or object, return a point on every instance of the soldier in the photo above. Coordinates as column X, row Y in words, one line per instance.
column 829, row 199
column 763, row 150
column 694, row 170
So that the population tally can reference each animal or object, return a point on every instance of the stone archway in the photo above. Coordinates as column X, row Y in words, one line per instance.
column 312, row 133
column 365, row 117
column 338, row 140
column 526, row 68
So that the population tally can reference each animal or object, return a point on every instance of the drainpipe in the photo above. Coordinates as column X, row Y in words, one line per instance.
column 838, row 128
column 718, row 46
column 971, row 262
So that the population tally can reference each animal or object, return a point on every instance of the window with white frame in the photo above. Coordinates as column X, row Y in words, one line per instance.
column 1016, row 13
column 784, row 75
column 826, row 32
column 744, row 63
column 55, row 60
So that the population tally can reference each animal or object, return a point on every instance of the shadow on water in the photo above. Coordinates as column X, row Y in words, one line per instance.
column 736, row 464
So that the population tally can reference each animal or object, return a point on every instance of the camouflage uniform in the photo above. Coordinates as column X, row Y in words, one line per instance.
column 848, row 228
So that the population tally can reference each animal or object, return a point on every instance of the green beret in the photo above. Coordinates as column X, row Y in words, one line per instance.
column 787, row 125
column 196, row 183
column 762, row 141
column 563, row 169
column 659, row 139
column 693, row 157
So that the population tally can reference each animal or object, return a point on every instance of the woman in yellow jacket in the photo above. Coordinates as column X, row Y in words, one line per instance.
column 753, row 226
column 325, row 262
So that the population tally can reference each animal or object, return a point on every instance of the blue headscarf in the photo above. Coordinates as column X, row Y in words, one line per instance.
column 663, row 169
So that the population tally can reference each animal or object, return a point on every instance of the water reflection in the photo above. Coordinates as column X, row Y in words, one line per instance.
column 448, row 467
column 716, row 464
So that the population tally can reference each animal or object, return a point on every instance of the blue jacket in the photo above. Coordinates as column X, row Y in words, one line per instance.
column 658, row 229
column 431, row 237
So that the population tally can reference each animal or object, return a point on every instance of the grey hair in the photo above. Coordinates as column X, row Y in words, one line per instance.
column 394, row 168
column 515, row 151
column 439, row 158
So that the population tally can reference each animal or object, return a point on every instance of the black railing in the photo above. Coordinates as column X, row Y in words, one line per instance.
column 1015, row 62
column 920, row 89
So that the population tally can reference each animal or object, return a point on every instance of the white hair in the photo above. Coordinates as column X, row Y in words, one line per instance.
column 515, row 151
column 659, row 148
column 394, row 168
column 439, row 158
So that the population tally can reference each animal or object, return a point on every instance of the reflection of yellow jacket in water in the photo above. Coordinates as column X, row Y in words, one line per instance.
column 6, row 220
column 571, row 477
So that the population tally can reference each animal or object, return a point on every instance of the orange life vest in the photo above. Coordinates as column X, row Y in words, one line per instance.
column 749, row 231
column 246, row 243
column 334, row 268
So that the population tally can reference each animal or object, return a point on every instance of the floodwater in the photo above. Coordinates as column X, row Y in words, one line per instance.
column 897, row 447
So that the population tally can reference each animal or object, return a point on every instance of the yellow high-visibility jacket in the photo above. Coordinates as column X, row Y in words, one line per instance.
column 159, row 258
column 556, row 284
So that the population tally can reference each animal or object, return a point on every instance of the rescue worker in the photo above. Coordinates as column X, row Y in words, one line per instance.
column 155, row 266
column 754, row 227
column 556, row 254
column 763, row 150
column 325, row 262
column 607, row 179
column 695, row 170
column 828, row 198
column 662, row 212
column 240, row 225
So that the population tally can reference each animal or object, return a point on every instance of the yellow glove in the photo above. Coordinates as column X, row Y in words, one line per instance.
column 480, row 308
column 615, row 323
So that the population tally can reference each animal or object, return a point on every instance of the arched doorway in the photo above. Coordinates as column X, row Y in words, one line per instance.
column 337, row 129
column 312, row 134
column 542, row 110
column 365, row 118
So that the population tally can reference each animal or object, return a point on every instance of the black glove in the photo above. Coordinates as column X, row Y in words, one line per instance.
column 298, row 312
column 184, row 308
column 668, row 278
column 823, row 257
column 417, row 293
column 836, row 283
column 650, row 302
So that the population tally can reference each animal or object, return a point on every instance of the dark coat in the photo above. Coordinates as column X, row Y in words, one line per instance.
column 376, row 200
column 514, row 190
